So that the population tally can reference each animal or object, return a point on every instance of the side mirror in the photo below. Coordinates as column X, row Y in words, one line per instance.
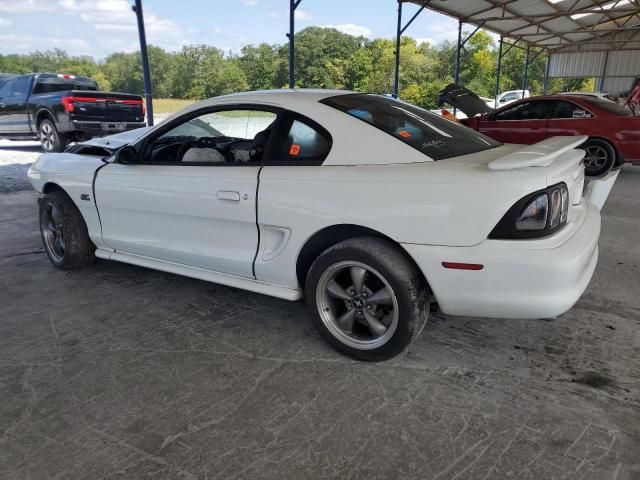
column 126, row 155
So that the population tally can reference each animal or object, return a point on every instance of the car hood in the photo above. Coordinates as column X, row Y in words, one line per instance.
column 463, row 99
column 114, row 142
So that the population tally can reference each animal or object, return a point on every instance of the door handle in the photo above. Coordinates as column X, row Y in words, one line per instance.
column 228, row 195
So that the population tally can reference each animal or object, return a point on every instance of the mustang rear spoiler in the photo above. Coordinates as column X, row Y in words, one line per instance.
column 541, row 154
column 544, row 153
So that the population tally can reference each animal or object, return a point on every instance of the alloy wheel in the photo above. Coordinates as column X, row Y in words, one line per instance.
column 595, row 157
column 47, row 136
column 357, row 305
column 53, row 233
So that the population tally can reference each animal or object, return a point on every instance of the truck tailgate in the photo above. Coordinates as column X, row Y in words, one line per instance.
column 103, row 106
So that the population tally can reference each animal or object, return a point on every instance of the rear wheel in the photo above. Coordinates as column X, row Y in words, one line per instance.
column 64, row 233
column 366, row 298
column 50, row 139
column 599, row 157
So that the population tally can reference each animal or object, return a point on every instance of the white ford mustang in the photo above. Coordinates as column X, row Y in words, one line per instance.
column 369, row 207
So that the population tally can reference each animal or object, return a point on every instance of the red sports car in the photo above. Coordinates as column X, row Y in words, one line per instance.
column 614, row 132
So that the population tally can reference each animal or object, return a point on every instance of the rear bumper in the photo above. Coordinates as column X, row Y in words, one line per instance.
column 103, row 127
column 520, row 279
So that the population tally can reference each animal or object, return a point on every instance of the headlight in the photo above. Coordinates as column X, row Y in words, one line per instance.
column 536, row 215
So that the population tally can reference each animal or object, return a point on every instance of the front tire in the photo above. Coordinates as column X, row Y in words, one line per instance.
column 64, row 232
column 599, row 157
column 366, row 298
column 50, row 139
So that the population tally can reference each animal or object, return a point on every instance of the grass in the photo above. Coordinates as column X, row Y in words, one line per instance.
column 169, row 105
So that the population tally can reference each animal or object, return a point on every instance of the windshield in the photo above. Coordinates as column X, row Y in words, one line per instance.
column 431, row 134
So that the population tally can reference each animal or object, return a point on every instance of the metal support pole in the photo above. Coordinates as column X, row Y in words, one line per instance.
column 456, row 72
column 396, row 78
column 526, row 71
column 497, row 91
column 546, row 74
column 146, row 72
column 292, row 12
column 604, row 72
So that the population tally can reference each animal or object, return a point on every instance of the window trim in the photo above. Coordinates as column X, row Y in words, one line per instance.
column 279, row 137
column 142, row 147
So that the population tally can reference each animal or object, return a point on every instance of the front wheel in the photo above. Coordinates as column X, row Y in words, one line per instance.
column 366, row 298
column 50, row 139
column 64, row 232
column 599, row 157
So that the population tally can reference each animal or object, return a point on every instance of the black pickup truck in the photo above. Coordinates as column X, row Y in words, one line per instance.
column 60, row 108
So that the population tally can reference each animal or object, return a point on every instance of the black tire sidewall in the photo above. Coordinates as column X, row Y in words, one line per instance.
column 611, row 154
column 58, row 141
column 405, row 282
column 79, row 249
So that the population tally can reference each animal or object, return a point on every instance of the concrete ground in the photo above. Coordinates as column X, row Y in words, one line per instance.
column 118, row 372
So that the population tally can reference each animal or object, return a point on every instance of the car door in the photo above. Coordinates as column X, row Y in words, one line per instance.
column 190, row 197
column 17, row 110
column 523, row 122
column 6, row 125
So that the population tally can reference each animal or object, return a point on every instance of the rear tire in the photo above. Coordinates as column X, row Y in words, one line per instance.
column 64, row 232
column 366, row 298
column 599, row 158
column 51, row 140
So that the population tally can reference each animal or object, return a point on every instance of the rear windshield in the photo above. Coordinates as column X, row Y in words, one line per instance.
column 431, row 134
column 57, row 84
column 611, row 107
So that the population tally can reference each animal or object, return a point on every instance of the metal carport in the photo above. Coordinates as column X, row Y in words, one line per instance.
column 581, row 38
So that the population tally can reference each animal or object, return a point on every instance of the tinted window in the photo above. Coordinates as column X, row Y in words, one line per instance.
column 569, row 110
column 304, row 143
column 525, row 111
column 20, row 87
column 57, row 84
column 5, row 90
column 609, row 106
column 431, row 134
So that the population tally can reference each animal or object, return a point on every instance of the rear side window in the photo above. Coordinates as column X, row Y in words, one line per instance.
column 304, row 142
column 428, row 133
column 569, row 110
column 56, row 84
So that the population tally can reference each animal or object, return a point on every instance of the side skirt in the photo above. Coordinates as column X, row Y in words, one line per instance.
column 202, row 274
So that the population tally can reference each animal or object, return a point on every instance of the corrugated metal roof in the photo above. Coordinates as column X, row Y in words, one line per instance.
column 557, row 25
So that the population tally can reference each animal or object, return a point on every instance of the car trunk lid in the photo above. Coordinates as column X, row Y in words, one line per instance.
column 463, row 99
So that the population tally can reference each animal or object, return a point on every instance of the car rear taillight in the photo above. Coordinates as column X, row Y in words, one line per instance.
column 67, row 103
column 65, row 75
column 144, row 109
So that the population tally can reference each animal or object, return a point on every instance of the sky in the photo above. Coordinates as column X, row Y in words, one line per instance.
column 100, row 27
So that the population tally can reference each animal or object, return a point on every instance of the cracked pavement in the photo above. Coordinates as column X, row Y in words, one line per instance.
column 119, row 372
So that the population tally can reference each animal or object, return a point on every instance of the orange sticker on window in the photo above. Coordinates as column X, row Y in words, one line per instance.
column 404, row 133
column 294, row 150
